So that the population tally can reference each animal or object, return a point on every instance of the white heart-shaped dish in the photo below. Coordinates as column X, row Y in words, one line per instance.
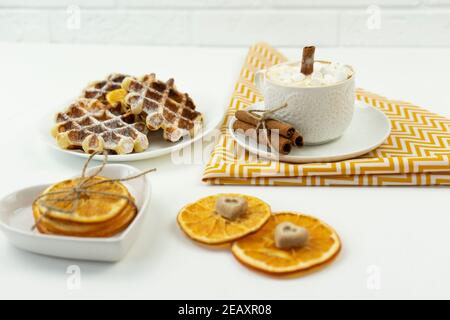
column 16, row 220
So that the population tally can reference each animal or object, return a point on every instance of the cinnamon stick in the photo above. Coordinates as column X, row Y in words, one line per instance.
column 284, row 129
column 308, row 60
column 297, row 139
column 283, row 146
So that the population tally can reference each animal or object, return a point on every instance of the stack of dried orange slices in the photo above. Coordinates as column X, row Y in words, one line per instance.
column 285, row 243
column 103, row 209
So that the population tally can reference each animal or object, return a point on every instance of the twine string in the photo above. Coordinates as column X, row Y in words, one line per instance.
column 262, row 116
column 75, row 194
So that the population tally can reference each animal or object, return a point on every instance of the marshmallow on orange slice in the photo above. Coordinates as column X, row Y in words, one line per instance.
column 223, row 218
column 288, row 243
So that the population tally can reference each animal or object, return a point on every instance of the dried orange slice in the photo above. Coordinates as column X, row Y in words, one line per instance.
column 104, row 229
column 116, row 96
column 91, row 208
column 259, row 252
column 201, row 223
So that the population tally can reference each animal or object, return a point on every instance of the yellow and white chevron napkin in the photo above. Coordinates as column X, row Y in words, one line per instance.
column 417, row 152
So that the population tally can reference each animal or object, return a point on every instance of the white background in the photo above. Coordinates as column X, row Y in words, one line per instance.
column 291, row 23
column 403, row 232
column 396, row 235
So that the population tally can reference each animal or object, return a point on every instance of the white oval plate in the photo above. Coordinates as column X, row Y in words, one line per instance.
column 158, row 146
column 16, row 220
column 369, row 129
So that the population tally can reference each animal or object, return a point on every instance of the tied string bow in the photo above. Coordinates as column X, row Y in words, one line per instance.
column 262, row 116
column 82, row 188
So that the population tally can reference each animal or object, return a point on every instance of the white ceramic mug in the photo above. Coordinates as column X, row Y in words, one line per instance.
column 321, row 114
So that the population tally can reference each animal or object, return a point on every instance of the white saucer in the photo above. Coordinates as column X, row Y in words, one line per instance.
column 16, row 220
column 369, row 129
column 158, row 146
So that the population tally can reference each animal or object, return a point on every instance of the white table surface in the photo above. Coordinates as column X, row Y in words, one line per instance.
column 402, row 232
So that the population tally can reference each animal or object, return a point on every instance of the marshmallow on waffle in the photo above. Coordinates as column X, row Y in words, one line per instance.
column 99, row 89
column 94, row 126
column 162, row 106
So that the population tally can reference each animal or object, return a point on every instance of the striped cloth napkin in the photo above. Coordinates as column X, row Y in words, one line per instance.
column 416, row 153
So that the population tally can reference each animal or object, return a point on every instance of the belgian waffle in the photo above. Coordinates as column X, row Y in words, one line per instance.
column 99, row 89
column 91, row 125
column 162, row 106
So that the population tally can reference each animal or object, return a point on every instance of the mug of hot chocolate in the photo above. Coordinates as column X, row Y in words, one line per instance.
column 319, row 96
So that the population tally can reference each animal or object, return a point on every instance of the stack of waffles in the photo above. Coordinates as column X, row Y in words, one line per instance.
column 98, row 121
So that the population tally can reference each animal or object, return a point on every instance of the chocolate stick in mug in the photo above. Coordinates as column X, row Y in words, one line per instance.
column 285, row 129
column 283, row 146
column 308, row 60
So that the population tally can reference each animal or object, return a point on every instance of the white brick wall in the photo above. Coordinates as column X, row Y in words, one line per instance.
column 229, row 22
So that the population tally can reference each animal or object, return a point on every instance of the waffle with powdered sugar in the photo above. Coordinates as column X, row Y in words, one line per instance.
column 99, row 89
column 92, row 125
column 162, row 106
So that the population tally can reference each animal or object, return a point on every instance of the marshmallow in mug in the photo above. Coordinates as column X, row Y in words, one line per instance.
column 324, row 74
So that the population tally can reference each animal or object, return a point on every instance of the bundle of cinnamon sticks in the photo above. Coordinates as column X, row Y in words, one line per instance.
column 279, row 135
